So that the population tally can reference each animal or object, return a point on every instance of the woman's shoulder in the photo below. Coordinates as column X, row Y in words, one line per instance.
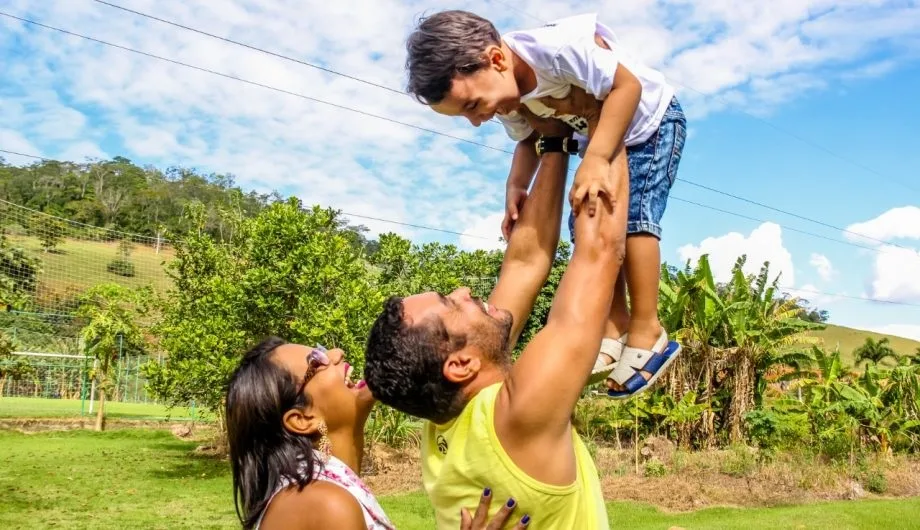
column 320, row 504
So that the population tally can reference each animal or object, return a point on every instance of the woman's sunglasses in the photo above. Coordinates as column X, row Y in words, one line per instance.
column 315, row 359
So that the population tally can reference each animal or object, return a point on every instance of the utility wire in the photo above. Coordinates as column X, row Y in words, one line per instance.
column 358, row 79
column 770, row 124
column 424, row 129
column 259, row 49
column 250, row 82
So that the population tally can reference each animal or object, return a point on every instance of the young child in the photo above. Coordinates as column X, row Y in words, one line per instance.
column 574, row 70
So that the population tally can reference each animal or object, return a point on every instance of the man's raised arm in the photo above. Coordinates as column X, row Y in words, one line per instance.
column 532, row 248
column 546, row 381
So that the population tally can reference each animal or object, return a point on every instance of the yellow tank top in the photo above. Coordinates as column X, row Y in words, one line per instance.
column 463, row 456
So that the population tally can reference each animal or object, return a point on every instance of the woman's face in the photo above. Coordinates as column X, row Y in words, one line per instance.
column 336, row 400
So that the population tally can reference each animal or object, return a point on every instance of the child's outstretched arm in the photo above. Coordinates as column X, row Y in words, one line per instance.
column 605, row 140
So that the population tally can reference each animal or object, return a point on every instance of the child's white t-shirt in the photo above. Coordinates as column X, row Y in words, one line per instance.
column 564, row 53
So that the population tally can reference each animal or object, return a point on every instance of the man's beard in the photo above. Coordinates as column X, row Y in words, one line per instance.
column 495, row 341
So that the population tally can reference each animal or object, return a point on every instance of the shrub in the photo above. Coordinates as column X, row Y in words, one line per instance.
column 121, row 267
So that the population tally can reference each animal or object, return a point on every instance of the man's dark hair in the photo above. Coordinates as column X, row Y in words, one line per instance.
column 404, row 365
column 444, row 45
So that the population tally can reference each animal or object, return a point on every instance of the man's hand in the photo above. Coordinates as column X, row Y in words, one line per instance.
column 591, row 180
column 514, row 201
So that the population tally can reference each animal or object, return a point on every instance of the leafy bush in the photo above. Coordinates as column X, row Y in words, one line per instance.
column 654, row 468
column 121, row 267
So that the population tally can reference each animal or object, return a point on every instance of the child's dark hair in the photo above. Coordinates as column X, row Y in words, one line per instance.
column 443, row 45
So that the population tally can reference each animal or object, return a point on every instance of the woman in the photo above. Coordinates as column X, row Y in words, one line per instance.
column 295, row 423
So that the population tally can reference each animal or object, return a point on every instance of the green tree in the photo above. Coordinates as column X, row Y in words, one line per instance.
column 112, row 314
column 18, row 274
column 50, row 232
column 12, row 367
column 287, row 271
column 875, row 351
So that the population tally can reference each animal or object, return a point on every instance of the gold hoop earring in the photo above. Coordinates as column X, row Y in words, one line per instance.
column 324, row 445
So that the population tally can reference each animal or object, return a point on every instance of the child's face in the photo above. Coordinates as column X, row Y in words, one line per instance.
column 479, row 96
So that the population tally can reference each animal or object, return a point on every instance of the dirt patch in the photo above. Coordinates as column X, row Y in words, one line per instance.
column 183, row 430
column 390, row 471
column 691, row 481
column 739, row 478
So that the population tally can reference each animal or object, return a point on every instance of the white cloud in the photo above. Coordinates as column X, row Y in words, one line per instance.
column 13, row 141
column 896, row 223
column 909, row 331
column 484, row 233
column 69, row 98
column 765, row 243
column 815, row 297
column 896, row 275
column 823, row 266
column 896, row 271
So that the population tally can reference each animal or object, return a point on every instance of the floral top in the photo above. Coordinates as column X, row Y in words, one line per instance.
column 331, row 469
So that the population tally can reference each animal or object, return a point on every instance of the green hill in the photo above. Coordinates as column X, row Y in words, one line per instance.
column 849, row 339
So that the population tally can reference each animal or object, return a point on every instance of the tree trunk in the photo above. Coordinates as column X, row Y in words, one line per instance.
column 741, row 395
column 100, row 412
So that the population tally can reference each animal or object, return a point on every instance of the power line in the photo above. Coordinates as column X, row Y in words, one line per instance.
column 259, row 49
column 784, row 227
column 670, row 197
column 775, row 127
column 358, row 79
column 252, row 47
column 431, row 131
column 786, row 212
column 850, row 297
column 865, row 299
column 254, row 83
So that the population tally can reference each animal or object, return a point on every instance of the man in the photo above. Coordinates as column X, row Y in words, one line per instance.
column 447, row 359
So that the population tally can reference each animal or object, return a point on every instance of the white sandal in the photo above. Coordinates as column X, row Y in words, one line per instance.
column 633, row 361
column 613, row 348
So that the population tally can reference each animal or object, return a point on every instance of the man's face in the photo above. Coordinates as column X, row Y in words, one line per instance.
column 482, row 94
column 482, row 327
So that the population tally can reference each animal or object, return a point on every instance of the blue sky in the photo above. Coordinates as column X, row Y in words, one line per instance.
column 751, row 76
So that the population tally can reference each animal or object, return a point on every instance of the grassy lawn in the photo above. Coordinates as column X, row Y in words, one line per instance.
column 849, row 339
column 149, row 479
column 14, row 407
column 77, row 265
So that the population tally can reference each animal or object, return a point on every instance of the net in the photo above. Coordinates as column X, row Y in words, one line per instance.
column 53, row 260
column 46, row 263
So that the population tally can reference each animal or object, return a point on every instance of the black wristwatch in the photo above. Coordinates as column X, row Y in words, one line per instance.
column 556, row 144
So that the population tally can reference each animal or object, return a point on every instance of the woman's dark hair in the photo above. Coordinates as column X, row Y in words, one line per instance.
column 262, row 451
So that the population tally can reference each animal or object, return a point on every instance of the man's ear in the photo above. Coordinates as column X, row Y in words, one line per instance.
column 461, row 366
column 301, row 421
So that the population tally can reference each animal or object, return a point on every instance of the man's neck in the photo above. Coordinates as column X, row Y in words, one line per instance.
column 487, row 377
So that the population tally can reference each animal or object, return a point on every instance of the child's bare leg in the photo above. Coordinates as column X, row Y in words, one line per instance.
column 618, row 320
column 642, row 269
